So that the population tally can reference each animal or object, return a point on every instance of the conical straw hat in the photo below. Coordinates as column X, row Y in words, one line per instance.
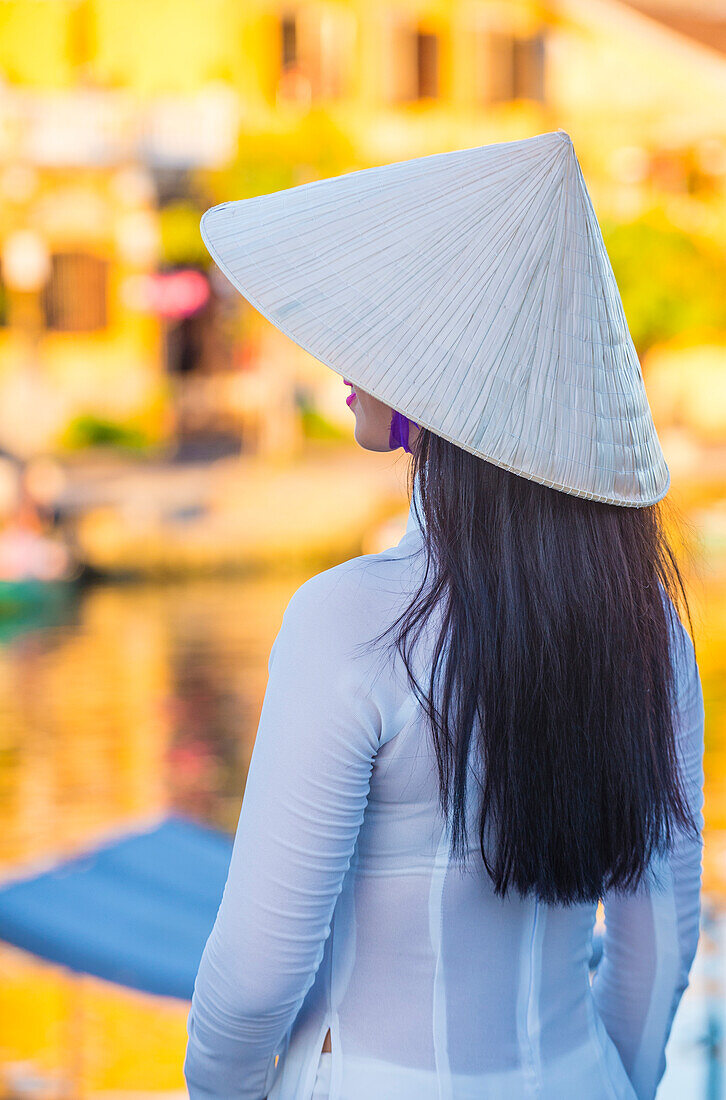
column 472, row 292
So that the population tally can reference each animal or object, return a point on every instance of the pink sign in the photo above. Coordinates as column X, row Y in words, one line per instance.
column 172, row 294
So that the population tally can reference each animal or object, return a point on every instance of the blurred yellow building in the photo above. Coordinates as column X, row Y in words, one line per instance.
column 112, row 113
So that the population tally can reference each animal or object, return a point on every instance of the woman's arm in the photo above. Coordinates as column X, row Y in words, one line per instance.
column 651, row 936
column 303, row 805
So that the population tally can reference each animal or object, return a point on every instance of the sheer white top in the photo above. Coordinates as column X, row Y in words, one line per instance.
column 342, row 910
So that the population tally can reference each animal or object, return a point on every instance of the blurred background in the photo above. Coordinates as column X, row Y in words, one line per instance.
column 172, row 468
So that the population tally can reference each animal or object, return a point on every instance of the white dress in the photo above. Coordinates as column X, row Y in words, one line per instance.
column 341, row 910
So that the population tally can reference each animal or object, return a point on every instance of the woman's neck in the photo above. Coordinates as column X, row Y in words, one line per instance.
column 414, row 524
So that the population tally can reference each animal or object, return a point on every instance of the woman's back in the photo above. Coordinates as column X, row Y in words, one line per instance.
column 344, row 912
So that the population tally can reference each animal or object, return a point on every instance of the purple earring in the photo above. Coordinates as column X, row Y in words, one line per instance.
column 398, row 435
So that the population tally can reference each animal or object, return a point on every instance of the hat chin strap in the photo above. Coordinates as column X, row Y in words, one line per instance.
column 398, row 435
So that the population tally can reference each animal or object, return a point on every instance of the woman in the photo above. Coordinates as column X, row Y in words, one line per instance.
column 471, row 738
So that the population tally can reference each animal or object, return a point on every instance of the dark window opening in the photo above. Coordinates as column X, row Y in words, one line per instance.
column 427, row 65
column 75, row 297
column 315, row 56
column 288, row 41
column 513, row 68
column 528, row 67
column 414, row 64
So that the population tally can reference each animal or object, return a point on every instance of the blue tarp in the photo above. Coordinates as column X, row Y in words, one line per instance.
column 136, row 910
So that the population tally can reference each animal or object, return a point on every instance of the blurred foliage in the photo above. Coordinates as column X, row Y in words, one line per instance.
column 94, row 431
column 317, row 426
column 181, row 242
column 314, row 149
column 670, row 281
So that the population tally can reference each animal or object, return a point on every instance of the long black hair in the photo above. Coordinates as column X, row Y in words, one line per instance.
column 555, row 652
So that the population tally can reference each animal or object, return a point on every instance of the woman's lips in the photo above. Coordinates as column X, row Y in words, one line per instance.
column 351, row 396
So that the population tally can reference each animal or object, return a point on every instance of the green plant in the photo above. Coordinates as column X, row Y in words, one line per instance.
column 89, row 430
column 670, row 282
column 317, row 426
column 314, row 148
column 181, row 242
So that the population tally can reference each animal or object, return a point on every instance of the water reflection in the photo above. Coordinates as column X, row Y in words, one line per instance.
column 141, row 699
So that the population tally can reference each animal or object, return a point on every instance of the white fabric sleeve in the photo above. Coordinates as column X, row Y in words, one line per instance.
column 305, row 796
column 651, row 935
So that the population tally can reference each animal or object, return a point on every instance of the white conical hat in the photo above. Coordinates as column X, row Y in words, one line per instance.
column 472, row 292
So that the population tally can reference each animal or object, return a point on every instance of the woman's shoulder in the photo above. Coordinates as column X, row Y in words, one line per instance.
column 363, row 586
column 683, row 649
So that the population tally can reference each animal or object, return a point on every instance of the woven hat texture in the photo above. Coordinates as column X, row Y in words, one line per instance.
column 472, row 292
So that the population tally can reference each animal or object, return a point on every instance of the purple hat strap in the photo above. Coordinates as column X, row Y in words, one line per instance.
column 398, row 435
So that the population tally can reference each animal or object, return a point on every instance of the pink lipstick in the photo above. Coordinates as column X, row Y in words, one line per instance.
column 351, row 396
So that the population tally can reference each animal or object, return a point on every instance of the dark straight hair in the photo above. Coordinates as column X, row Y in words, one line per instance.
column 556, row 652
